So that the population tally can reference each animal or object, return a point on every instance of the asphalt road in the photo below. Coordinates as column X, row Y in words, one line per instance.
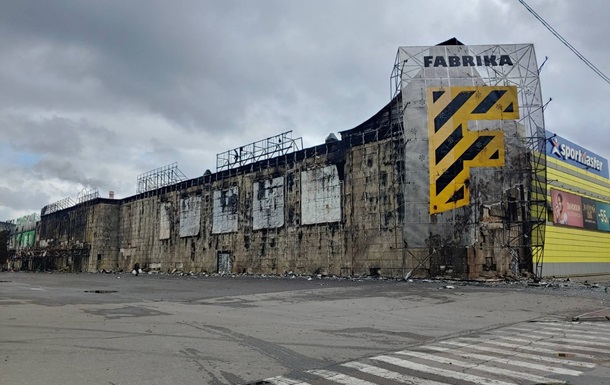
column 160, row 329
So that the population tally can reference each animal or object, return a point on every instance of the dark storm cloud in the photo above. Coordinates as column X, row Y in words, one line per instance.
column 189, row 62
column 136, row 54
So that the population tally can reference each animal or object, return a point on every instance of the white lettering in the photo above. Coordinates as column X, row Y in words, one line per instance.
column 580, row 156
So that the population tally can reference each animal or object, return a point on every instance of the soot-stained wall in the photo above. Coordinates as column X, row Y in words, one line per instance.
column 330, row 209
column 81, row 238
column 337, row 208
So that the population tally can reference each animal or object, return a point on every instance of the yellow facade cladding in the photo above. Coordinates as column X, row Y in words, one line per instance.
column 570, row 245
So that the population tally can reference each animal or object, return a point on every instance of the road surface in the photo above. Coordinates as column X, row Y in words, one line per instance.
column 159, row 329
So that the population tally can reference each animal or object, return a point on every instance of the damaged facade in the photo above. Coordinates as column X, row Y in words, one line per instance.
column 330, row 209
column 578, row 230
column 448, row 179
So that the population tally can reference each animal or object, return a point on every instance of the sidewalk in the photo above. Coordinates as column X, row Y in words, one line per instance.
column 602, row 279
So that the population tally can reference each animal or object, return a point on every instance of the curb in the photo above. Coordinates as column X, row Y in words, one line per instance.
column 598, row 315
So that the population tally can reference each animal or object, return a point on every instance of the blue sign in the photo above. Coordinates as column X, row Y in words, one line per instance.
column 562, row 149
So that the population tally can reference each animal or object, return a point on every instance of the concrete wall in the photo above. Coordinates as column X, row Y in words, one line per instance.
column 80, row 238
column 332, row 209
column 373, row 209
column 253, row 217
column 335, row 209
column 102, row 236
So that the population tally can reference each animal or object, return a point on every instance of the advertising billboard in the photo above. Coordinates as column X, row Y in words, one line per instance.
column 567, row 208
column 165, row 220
column 576, row 211
column 603, row 211
column 589, row 214
column 571, row 153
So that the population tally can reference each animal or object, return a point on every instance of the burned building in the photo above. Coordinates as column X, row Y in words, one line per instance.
column 448, row 179
column 335, row 208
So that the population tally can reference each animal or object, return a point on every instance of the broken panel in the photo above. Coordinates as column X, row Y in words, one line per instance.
column 225, row 211
column 165, row 211
column 190, row 216
column 268, row 204
column 320, row 196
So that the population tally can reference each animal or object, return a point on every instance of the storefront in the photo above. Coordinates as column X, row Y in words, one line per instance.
column 577, row 238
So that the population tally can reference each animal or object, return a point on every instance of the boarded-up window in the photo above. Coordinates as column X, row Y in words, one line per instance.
column 320, row 196
column 165, row 211
column 225, row 207
column 190, row 216
column 268, row 204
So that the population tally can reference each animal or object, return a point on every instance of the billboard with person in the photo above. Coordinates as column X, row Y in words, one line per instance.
column 577, row 211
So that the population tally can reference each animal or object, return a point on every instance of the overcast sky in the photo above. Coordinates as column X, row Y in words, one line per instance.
column 94, row 93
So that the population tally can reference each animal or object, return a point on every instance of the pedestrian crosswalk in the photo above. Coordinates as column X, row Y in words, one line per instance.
column 550, row 352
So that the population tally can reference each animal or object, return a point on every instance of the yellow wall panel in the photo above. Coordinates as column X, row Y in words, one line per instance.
column 565, row 244
column 573, row 245
column 553, row 161
column 602, row 187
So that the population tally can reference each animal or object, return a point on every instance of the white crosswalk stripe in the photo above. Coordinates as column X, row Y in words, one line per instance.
column 390, row 375
column 565, row 334
column 580, row 331
column 572, row 327
column 598, row 325
column 284, row 381
column 528, row 353
column 556, row 345
column 477, row 366
column 534, row 357
column 340, row 378
column 443, row 372
column 598, row 329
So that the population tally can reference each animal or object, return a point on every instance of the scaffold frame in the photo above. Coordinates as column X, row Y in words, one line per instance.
column 160, row 177
column 267, row 148
column 524, row 74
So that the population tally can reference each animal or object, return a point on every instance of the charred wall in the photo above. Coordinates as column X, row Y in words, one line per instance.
column 331, row 209
column 335, row 212
column 336, row 208
column 103, row 235
column 78, row 239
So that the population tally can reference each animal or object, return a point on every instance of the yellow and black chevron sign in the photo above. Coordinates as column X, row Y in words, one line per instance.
column 454, row 149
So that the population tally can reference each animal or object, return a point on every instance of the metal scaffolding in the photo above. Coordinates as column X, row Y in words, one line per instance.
column 57, row 206
column 87, row 194
column 268, row 148
column 521, row 231
column 160, row 177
